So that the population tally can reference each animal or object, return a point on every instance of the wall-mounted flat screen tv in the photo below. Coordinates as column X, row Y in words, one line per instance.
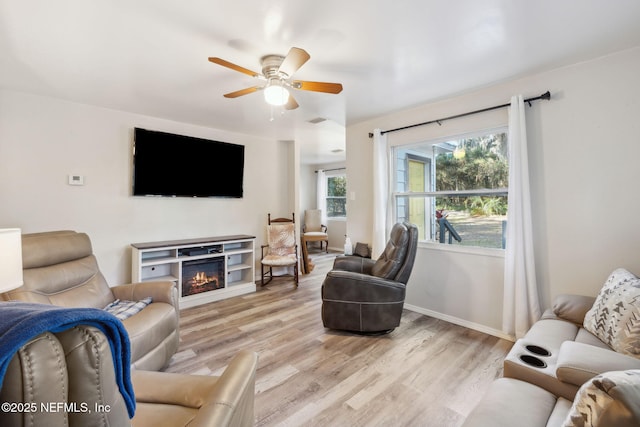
column 171, row 165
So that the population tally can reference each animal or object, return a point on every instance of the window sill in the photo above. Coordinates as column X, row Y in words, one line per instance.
column 337, row 218
column 471, row 250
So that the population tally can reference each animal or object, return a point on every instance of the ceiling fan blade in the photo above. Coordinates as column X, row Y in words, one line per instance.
column 291, row 104
column 233, row 66
column 242, row 92
column 295, row 59
column 317, row 86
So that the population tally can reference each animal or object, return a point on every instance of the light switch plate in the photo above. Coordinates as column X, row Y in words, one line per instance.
column 76, row 180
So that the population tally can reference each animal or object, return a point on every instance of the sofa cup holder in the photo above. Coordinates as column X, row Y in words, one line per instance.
column 537, row 350
column 533, row 361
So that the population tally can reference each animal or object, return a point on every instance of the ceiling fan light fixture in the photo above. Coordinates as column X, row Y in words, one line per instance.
column 277, row 72
column 276, row 94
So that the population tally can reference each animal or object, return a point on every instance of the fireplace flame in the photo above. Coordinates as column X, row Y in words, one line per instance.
column 201, row 279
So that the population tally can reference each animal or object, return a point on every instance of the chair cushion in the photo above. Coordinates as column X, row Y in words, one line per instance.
column 316, row 235
column 579, row 363
column 510, row 403
column 279, row 261
column 615, row 315
column 313, row 220
column 610, row 399
column 281, row 239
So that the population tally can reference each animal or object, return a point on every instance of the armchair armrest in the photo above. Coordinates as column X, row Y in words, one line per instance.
column 354, row 264
column 221, row 401
column 160, row 292
column 572, row 307
column 579, row 362
column 359, row 287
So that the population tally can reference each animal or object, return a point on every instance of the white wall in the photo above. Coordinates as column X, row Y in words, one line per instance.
column 583, row 150
column 42, row 140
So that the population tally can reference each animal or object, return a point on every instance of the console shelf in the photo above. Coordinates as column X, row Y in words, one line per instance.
column 229, row 266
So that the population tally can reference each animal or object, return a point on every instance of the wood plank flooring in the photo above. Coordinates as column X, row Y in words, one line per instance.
column 425, row 373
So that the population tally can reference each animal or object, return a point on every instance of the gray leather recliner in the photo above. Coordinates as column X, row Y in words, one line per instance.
column 363, row 295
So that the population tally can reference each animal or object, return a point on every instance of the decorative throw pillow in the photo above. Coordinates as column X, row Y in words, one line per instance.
column 362, row 249
column 125, row 309
column 610, row 399
column 615, row 315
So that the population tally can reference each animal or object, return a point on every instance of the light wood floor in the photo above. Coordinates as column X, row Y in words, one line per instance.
column 425, row 373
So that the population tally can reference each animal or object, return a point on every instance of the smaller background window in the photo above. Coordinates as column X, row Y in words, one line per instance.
column 336, row 200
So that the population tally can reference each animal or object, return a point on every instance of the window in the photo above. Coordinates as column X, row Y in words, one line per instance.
column 455, row 190
column 336, row 199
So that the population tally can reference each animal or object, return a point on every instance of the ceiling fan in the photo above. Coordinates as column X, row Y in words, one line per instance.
column 277, row 72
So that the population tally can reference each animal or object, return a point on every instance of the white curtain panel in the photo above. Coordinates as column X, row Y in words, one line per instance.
column 382, row 214
column 521, row 302
column 321, row 194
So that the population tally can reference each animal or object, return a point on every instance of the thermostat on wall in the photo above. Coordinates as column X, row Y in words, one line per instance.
column 76, row 180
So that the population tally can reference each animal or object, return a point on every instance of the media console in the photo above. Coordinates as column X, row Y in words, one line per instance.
column 204, row 270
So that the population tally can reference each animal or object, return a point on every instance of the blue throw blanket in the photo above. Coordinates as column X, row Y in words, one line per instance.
column 20, row 322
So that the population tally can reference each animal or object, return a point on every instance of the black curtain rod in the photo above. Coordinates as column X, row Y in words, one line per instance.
column 545, row 96
column 329, row 170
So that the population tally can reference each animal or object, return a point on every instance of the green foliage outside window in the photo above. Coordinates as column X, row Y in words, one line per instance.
column 481, row 164
column 336, row 196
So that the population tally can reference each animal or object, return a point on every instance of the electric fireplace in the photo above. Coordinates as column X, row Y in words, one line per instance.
column 202, row 275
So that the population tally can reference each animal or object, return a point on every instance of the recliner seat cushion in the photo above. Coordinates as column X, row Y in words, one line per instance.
column 510, row 403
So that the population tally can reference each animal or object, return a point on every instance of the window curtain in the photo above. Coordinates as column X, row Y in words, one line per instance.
column 521, row 307
column 382, row 214
column 321, row 194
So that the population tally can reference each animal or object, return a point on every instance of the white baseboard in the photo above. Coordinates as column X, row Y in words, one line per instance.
column 461, row 322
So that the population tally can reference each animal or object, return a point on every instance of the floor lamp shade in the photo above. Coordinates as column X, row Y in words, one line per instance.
column 10, row 259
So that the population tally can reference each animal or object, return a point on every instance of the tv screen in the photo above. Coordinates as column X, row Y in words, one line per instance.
column 165, row 164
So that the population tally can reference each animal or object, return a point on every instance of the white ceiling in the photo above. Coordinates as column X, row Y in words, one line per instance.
column 150, row 56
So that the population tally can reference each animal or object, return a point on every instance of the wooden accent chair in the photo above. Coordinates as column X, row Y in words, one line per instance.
column 281, row 247
column 313, row 230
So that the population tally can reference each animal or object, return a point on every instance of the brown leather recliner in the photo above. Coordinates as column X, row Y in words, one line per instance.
column 68, row 379
column 59, row 268
column 363, row 295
